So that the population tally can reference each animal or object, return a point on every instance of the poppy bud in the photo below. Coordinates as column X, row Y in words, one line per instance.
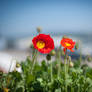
column 48, row 57
column 56, row 66
column 52, row 53
column 65, row 36
column 31, row 46
column 68, row 57
column 62, row 53
column 76, row 46
column 14, row 70
column 1, row 73
column 71, row 64
column 39, row 29
column 89, row 58
column 17, row 65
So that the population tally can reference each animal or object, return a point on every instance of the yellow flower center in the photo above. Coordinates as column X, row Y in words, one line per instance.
column 40, row 44
column 67, row 44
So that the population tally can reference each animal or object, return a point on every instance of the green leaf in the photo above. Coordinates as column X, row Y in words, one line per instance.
column 29, row 78
column 58, row 90
column 39, row 79
column 20, row 89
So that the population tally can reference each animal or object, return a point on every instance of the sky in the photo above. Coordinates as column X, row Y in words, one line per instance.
column 22, row 17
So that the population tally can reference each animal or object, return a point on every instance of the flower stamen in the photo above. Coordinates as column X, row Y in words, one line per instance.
column 67, row 44
column 40, row 44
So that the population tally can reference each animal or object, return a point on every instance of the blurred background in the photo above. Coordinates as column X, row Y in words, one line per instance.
column 20, row 18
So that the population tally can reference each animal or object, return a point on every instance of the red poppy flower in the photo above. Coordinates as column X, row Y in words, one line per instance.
column 43, row 43
column 67, row 43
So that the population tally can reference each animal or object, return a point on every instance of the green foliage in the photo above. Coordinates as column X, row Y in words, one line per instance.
column 78, row 78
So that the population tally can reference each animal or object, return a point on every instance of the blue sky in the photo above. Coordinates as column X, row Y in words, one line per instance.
column 21, row 17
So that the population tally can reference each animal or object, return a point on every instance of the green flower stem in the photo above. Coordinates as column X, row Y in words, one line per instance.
column 59, row 65
column 72, row 89
column 65, row 69
column 32, row 67
column 80, row 52
column 51, row 71
column 68, row 65
column 48, row 57
column 33, row 60
column 78, row 88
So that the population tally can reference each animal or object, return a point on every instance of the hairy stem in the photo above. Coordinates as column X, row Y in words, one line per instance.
column 51, row 71
column 33, row 60
column 59, row 66
column 65, row 69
